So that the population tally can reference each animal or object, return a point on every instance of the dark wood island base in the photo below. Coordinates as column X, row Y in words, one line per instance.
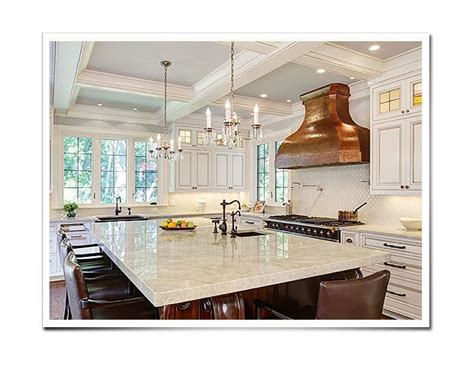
column 297, row 298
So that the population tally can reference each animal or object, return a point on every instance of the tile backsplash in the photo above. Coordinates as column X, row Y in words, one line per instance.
column 343, row 189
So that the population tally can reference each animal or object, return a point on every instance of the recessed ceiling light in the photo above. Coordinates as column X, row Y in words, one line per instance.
column 352, row 77
column 320, row 70
column 288, row 100
column 263, row 95
column 99, row 104
column 374, row 47
column 135, row 109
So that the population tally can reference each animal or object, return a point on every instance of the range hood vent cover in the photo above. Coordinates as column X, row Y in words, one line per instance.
column 328, row 135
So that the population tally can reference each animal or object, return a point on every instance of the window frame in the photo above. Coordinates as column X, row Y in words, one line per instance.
column 271, row 139
column 96, row 135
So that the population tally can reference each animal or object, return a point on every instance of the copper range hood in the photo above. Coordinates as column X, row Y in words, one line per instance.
column 328, row 135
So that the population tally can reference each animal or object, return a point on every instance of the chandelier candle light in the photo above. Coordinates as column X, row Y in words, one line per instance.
column 165, row 150
column 230, row 135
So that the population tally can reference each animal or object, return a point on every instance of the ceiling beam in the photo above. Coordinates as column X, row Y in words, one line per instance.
column 67, row 62
column 89, row 79
column 86, row 53
column 332, row 58
column 249, row 66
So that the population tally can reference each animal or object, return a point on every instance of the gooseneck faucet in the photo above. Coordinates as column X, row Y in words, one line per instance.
column 223, row 225
column 233, row 230
column 117, row 209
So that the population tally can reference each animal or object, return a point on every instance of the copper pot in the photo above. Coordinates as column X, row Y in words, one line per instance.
column 349, row 215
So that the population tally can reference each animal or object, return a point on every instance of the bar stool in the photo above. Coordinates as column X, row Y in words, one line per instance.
column 361, row 298
column 109, row 306
column 103, row 280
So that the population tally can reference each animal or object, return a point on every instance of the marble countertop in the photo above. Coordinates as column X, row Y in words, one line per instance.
column 387, row 230
column 172, row 267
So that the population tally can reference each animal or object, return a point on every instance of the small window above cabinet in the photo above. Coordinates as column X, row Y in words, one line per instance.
column 186, row 136
column 397, row 99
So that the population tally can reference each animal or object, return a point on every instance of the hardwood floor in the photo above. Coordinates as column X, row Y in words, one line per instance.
column 56, row 299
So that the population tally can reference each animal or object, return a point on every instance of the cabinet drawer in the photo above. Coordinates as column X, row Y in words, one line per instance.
column 251, row 221
column 403, row 297
column 391, row 245
column 350, row 238
column 409, row 273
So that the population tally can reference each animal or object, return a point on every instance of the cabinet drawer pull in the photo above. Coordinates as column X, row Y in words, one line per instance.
column 393, row 265
column 397, row 294
column 249, row 222
column 75, row 236
column 349, row 240
column 393, row 246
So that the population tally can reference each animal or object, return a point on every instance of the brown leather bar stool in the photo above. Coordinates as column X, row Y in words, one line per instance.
column 102, row 279
column 111, row 305
column 345, row 299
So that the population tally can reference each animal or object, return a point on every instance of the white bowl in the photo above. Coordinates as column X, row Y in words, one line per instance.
column 411, row 224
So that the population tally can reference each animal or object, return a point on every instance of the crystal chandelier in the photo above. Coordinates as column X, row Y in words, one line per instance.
column 164, row 149
column 231, row 136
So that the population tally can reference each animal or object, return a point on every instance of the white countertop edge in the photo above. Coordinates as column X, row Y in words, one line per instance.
column 398, row 232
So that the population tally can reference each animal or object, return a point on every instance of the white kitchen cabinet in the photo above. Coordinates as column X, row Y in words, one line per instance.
column 395, row 99
column 396, row 157
column 194, row 171
column 229, row 171
column 404, row 292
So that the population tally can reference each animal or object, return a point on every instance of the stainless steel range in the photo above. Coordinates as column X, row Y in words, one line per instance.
column 318, row 227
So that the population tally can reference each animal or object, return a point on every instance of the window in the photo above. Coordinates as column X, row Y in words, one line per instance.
column 113, row 170
column 263, row 170
column 281, row 181
column 77, row 182
column 146, row 190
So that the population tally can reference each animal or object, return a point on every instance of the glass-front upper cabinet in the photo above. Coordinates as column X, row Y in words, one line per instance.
column 397, row 99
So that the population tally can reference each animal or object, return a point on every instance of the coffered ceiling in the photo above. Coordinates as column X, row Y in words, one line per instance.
column 125, row 76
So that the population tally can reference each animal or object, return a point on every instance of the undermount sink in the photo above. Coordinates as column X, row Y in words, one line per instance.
column 114, row 218
column 249, row 234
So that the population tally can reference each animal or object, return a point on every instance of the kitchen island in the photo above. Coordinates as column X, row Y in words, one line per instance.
column 171, row 267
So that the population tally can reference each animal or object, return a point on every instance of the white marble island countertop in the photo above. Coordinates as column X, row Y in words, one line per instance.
column 171, row 267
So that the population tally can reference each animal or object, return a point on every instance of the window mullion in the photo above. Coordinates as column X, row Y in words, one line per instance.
column 96, row 170
column 271, row 167
column 131, row 170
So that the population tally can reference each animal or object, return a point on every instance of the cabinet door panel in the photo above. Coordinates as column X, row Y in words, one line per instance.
column 222, row 171
column 184, row 175
column 387, row 163
column 415, row 161
column 203, row 170
column 238, row 171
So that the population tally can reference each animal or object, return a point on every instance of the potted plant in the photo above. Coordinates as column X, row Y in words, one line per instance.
column 70, row 208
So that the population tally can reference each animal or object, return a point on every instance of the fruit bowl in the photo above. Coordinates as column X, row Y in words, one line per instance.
column 411, row 224
column 178, row 229
column 178, row 225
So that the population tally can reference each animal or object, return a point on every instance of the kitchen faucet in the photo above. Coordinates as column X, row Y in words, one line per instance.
column 233, row 230
column 223, row 225
column 117, row 209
